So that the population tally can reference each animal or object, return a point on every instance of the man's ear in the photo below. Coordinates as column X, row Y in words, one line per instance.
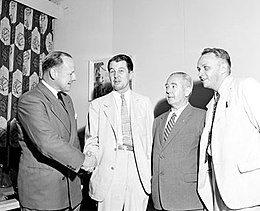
column 223, row 67
column 131, row 73
column 188, row 91
column 53, row 73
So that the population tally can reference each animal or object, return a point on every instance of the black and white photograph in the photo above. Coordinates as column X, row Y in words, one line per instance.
column 118, row 105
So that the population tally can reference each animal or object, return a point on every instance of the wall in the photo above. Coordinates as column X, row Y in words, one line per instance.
column 85, row 31
column 169, row 35
column 162, row 35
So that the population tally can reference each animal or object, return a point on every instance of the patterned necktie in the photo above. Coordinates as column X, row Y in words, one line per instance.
column 169, row 127
column 125, row 122
column 216, row 99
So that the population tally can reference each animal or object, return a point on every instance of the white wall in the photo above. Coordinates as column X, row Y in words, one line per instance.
column 85, row 31
column 152, row 31
column 162, row 35
column 169, row 35
column 232, row 25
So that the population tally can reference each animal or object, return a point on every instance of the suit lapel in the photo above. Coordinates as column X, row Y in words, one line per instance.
column 181, row 121
column 133, row 112
column 71, row 113
column 56, row 107
column 162, row 125
column 109, row 107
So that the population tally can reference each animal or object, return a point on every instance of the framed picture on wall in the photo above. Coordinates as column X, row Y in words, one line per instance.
column 99, row 81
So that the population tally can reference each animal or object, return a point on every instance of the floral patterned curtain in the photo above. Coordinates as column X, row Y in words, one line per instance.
column 26, row 37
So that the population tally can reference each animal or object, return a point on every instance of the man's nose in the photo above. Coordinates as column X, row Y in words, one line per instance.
column 74, row 77
column 200, row 73
column 116, row 74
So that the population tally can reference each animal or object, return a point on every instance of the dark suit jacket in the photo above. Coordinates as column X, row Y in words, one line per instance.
column 174, row 180
column 50, row 151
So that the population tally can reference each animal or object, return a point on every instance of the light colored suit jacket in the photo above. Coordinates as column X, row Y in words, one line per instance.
column 174, row 180
column 101, row 139
column 50, row 151
column 235, row 145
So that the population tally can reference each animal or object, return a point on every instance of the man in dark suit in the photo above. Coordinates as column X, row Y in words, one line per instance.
column 176, row 135
column 51, row 156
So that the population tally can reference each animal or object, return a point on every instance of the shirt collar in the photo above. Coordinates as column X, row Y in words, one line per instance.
column 179, row 111
column 126, row 95
column 224, row 84
column 54, row 91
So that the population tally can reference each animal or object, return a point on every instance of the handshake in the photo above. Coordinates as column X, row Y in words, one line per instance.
column 90, row 162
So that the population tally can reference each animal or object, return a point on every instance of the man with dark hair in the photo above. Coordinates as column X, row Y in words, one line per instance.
column 176, row 136
column 51, row 156
column 229, row 164
column 119, row 134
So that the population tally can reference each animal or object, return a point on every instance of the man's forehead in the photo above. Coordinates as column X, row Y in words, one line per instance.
column 174, row 79
column 207, row 58
column 118, row 64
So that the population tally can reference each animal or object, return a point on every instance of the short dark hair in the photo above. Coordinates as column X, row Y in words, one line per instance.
column 220, row 53
column 53, row 59
column 122, row 57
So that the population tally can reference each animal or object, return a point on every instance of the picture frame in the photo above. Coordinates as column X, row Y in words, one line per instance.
column 99, row 81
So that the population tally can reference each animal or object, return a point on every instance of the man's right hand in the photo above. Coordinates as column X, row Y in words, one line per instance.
column 90, row 162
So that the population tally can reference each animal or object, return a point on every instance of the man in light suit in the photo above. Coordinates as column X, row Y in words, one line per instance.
column 122, row 178
column 229, row 166
column 51, row 155
column 175, row 153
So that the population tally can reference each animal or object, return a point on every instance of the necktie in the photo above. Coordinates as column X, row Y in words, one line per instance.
column 125, row 123
column 216, row 99
column 59, row 94
column 169, row 127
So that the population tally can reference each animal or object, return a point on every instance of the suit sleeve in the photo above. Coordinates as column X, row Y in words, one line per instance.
column 35, row 117
column 91, row 131
column 150, row 119
column 251, row 101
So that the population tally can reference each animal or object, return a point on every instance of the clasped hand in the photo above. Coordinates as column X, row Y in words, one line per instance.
column 90, row 162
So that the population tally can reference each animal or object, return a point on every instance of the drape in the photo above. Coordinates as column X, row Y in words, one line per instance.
column 26, row 38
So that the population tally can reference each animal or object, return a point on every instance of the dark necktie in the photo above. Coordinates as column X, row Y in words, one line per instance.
column 59, row 94
column 169, row 127
column 125, row 123
column 216, row 99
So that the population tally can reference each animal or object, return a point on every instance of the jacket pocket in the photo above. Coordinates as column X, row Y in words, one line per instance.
column 245, row 167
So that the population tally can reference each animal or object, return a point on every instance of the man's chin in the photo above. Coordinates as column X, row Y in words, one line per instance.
column 117, row 88
column 204, row 84
column 170, row 101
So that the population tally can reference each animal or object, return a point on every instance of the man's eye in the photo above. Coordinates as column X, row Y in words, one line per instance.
column 206, row 68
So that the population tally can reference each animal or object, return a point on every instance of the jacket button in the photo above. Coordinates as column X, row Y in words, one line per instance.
column 112, row 168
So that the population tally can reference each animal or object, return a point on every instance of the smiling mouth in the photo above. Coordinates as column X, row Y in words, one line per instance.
column 203, row 79
column 170, row 97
